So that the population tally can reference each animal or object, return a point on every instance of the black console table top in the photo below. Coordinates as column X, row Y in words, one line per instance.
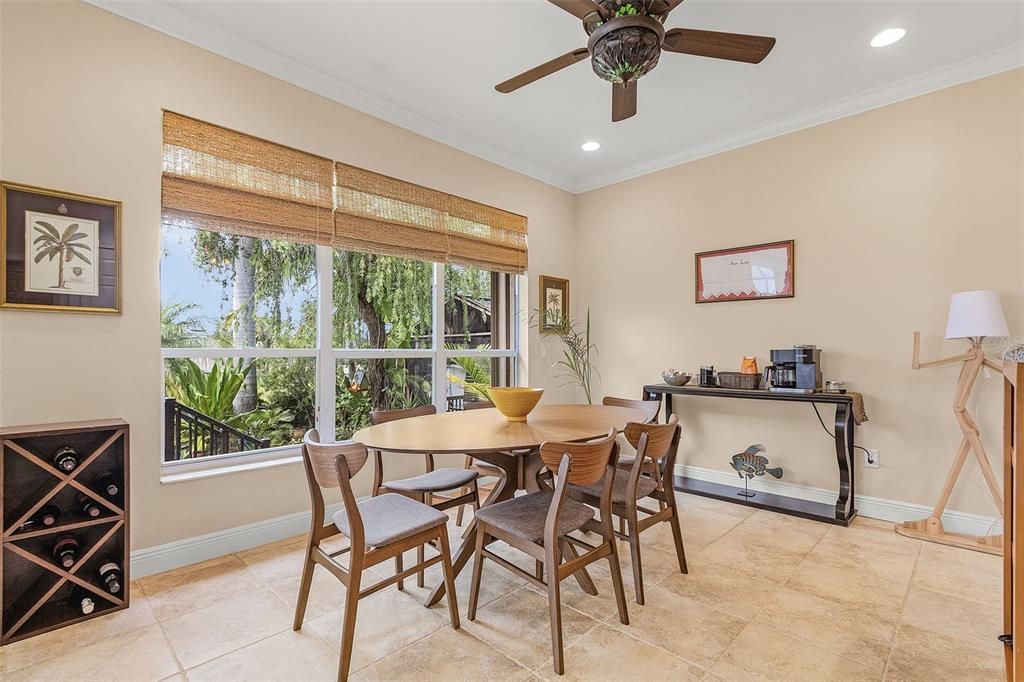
column 750, row 394
column 841, row 513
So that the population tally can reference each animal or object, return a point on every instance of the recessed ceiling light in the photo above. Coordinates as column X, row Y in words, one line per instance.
column 888, row 37
column 590, row 146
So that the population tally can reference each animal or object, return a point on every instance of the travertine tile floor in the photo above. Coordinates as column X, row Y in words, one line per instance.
column 767, row 597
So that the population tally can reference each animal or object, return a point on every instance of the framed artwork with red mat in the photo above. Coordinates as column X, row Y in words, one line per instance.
column 745, row 273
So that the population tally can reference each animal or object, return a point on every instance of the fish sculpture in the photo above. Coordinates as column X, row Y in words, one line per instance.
column 749, row 463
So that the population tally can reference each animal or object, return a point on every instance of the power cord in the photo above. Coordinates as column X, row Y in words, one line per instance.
column 822, row 422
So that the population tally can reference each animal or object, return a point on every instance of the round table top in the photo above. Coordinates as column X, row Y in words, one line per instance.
column 487, row 430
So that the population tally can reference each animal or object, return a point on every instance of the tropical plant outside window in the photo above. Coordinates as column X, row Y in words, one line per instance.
column 247, row 367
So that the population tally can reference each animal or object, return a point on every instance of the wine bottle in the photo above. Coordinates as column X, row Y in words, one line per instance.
column 88, row 507
column 109, row 484
column 110, row 576
column 44, row 518
column 82, row 601
column 66, row 459
column 65, row 551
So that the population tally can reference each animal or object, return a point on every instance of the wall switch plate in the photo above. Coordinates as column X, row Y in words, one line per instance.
column 871, row 458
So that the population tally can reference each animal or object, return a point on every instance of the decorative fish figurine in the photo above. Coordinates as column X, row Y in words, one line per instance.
column 749, row 463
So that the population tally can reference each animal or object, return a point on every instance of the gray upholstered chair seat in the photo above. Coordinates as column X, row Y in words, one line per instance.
column 391, row 517
column 434, row 481
column 644, row 487
column 524, row 516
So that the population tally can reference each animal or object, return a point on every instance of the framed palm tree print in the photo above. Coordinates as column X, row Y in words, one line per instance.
column 59, row 251
column 554, row 302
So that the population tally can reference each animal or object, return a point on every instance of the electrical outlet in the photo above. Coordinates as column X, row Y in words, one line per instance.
column 871, row 459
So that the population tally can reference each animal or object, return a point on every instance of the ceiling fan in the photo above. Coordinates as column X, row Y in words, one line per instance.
column 627, row 38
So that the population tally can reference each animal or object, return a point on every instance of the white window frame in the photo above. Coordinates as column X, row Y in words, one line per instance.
column 327, row 357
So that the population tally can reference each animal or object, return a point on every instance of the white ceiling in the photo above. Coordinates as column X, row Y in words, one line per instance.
column 431, row 66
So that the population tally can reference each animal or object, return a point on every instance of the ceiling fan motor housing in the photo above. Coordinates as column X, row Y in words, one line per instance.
column 625, row 48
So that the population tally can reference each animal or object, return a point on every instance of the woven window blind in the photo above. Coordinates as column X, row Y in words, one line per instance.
column 379, row 214
column 219, row 179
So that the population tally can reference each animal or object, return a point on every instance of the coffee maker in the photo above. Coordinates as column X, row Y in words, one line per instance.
column 794, row 370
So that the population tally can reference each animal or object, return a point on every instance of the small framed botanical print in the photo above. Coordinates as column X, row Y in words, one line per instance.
column 59, row 251
column 554, row 303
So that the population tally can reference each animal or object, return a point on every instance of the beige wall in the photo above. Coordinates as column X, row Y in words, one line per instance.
column 892, row 211
column 82, row 93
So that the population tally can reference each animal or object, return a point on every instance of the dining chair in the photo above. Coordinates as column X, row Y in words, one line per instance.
column 423, row 488
column 378, row 528
column 539, row 524
column 650, row 410
column 479, row 466
column 656, row 446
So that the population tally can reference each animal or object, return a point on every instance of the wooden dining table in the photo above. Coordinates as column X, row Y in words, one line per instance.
column 514, row 447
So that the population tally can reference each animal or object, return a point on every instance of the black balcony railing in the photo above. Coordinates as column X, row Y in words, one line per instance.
column 189, row 434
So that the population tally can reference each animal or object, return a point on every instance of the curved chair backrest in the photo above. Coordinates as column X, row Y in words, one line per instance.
column 323, row 459
column 588, row 462
column 662, row 439
column 332, row 465
column 384, row 416
column 650, row 408
column 477, row 405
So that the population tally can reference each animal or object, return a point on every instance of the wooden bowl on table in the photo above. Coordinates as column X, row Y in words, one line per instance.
column 515, row 402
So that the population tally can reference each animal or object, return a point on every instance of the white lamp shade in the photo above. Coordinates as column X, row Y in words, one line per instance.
column 975, row 313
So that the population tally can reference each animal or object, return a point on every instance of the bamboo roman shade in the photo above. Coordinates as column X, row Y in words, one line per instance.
column 219, row 179
column 380, row 214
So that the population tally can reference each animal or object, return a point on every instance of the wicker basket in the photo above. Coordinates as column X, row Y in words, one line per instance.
column 750, row 382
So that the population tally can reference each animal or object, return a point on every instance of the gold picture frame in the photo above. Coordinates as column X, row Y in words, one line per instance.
column 59, row 251
column 553, row 296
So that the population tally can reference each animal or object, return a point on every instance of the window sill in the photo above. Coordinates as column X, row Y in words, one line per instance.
column 192, row 471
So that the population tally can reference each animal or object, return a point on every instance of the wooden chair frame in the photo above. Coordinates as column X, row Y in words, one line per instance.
column 651, row 409
column 557, row 558
column 661, row 458
column 434, row 500
column 347, row 460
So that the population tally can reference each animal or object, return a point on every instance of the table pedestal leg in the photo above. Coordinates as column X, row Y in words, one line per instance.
column 505, row 490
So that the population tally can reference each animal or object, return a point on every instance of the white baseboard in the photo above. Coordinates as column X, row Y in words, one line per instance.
column 873, row 507
column 211, row 545
column 192, row 550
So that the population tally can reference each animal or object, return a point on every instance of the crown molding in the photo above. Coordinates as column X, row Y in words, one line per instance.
column 984, row 65
column 166, row 19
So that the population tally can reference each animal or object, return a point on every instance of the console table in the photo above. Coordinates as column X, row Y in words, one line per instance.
column 842, row 513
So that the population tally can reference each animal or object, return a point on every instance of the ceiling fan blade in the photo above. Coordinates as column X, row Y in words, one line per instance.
column 672, row 4
column 579, row 8
column 545, row 69
column 736, row 47
column 623, row 100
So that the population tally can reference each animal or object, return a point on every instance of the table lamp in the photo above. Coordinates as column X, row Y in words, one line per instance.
column 973, row 315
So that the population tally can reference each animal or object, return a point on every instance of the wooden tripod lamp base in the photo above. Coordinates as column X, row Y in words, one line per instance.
column 973, row 315
column 931, row 530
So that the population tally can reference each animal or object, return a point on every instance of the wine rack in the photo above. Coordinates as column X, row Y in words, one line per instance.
column 40, row 594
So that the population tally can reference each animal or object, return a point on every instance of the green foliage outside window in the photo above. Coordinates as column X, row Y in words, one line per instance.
column 378, row 302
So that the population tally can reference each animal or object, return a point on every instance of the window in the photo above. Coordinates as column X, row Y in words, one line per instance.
column 241, row 340
column 297, row 291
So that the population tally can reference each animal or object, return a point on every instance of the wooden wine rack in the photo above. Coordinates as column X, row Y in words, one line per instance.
column 35, row 589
